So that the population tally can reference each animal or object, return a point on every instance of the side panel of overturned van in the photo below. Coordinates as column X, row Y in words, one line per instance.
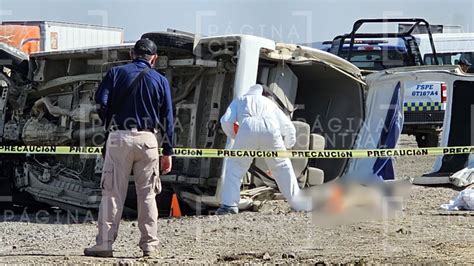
column 47, row 99
column 457, row 125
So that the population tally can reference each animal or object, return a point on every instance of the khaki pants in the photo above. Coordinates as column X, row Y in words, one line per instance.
column 127, row 150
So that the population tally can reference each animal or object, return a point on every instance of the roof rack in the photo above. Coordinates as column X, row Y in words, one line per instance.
column 407, row 36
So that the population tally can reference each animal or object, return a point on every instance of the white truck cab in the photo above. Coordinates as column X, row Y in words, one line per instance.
column 450, row 47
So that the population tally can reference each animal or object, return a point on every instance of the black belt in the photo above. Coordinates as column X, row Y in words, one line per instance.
column 152, row 130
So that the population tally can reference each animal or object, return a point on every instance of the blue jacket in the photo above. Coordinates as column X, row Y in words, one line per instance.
column 151, row 108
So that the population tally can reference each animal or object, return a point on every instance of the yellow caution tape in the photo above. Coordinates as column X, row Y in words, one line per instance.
column 222, row 153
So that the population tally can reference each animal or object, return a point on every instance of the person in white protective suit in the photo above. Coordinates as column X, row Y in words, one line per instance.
column 262, row 126
column 464, row 201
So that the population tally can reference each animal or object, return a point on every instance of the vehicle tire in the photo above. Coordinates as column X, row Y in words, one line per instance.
column 425, row 140
column 171, row 42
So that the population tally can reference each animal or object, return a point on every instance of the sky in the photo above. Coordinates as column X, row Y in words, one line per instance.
column 293, row 21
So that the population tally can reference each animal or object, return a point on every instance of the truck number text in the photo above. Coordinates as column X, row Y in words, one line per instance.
column 424, row 90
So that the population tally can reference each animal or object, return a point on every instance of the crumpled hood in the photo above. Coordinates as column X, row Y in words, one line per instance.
column 255, row 90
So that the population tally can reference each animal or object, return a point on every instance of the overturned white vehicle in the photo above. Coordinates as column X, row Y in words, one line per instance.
column 47, row 99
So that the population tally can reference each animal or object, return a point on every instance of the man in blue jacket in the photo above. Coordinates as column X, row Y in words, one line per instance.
column 134, row 101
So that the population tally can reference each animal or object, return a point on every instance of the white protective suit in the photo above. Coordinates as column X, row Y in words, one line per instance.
column 262, row 126
column 464, row 201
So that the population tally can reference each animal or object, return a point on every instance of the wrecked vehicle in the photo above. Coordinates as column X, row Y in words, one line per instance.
column 47, row 99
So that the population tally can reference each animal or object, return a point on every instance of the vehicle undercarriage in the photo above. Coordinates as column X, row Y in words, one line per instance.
column 50, row 102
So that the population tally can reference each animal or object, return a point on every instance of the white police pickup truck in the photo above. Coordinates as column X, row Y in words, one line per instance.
column 424, row 106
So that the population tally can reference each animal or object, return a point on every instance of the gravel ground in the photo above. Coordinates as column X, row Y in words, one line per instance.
column 419, row 234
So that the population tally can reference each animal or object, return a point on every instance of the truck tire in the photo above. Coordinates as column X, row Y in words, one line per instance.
column 171, row 42
column 425, row 140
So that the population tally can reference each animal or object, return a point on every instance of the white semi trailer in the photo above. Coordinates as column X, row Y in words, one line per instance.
column 44, row 36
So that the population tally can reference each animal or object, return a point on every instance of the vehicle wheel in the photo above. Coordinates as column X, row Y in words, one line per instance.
column 425, row 140
column 170, row 41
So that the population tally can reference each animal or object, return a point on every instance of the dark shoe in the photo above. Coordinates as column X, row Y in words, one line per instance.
column 227, row 210
column 97, row 251
column 151, row 253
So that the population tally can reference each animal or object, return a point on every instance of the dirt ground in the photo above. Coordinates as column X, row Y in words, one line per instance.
column 419, row 234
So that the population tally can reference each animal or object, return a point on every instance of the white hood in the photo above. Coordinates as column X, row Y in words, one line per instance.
column 255, row 90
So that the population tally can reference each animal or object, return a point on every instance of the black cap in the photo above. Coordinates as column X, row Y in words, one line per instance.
column 145, row 46
column 464, row 62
